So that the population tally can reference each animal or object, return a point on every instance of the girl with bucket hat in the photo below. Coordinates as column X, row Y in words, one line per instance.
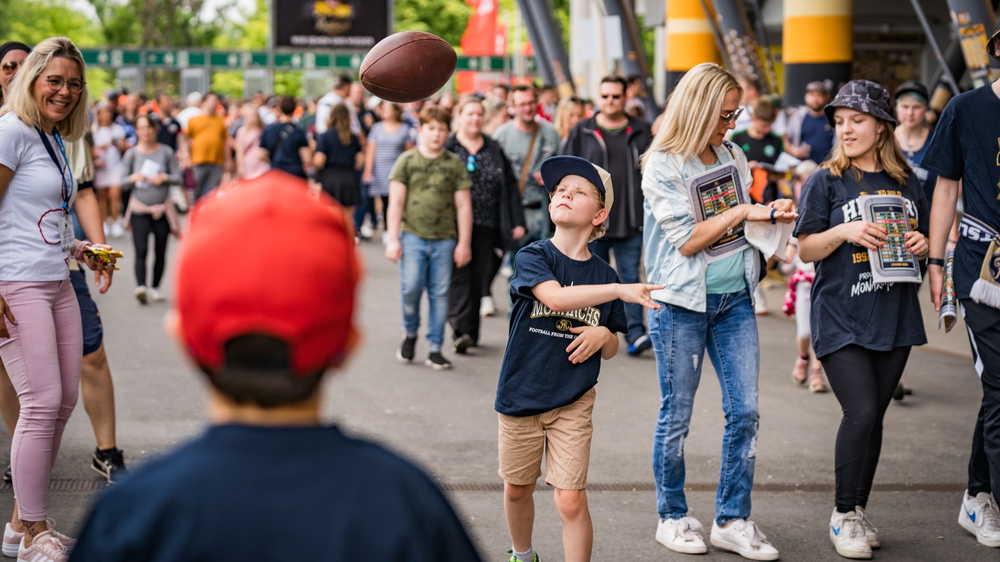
column 862, row 331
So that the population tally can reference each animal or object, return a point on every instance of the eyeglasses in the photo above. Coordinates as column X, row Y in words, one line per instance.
column 10, row 67
column 731, row 116
column 470, row 163
column 612, row 96
column 56, row 84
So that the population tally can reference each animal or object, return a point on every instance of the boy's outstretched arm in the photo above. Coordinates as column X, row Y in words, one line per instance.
column 562, row 299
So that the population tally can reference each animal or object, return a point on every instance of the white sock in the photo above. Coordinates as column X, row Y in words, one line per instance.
column 524, row 556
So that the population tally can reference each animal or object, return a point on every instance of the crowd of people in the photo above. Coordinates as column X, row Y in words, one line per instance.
column 459, row 187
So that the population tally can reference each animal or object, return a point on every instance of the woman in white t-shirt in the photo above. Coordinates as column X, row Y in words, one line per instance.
column 41, row 339
column 109, row 144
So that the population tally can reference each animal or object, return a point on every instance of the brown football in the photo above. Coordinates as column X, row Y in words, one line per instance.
column 408, row 66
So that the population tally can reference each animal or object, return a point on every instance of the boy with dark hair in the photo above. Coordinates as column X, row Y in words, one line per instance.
column 567, row 307
column 428, row 228
column 284, row 143
column 762, row 148
column 268, row 481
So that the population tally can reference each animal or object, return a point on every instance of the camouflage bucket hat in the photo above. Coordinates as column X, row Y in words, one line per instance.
column 864, row 96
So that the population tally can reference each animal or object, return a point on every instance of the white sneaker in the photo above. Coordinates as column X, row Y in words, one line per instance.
column 116, row 230
column 366, row 231
column 107, row 229
column 848, row 535
column 11, row 541
column 979, row 517
column 140, row 293
column 45, row 548
column 487, row 307
column 681, row 535
column 871, row 533
column 156, row 296
column 744, row 538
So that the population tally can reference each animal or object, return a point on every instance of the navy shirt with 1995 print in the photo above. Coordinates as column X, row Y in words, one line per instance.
column 536, row 375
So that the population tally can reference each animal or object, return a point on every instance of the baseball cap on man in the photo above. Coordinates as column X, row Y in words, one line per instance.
column 554, row 169
column 264, row 256
column 819, row 86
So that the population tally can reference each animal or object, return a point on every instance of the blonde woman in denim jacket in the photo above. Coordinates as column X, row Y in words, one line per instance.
column 705, row 307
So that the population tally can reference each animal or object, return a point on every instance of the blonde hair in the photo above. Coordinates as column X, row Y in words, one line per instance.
column 254, row 122
column 21, row 102
column 693, row 111
column 886, row 152
column 464, row 101
column 563, row 111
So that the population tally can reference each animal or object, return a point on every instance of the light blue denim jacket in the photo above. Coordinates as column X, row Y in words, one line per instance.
column 668, row 223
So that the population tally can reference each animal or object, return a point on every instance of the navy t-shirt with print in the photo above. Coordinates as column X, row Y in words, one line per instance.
column 966, row 146
column 847, row 306
column 536, row 375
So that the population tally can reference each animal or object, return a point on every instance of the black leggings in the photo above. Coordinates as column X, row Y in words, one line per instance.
column 863, row 381
column 142, row 226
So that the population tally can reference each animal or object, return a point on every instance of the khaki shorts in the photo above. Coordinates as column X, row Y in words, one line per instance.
column 564, row 434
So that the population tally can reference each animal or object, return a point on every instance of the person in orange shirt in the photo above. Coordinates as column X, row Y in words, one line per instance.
column 209, row 157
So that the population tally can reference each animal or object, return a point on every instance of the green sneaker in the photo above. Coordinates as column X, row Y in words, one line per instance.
column 514, row 558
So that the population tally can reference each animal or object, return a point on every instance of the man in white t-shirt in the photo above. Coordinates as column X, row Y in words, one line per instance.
column 341, row 89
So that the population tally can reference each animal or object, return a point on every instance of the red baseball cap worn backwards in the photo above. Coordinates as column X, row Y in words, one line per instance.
column 265, row 256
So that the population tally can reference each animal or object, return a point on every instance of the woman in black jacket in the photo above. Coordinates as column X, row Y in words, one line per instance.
column 497, row 219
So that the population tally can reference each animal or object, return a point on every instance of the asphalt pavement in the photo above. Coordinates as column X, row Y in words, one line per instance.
column 444, row 420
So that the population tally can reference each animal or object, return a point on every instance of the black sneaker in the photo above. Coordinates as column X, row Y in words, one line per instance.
column 899, row 393
column 109, row 464
column 463, row 343
column 7, row 475
column 437, row 361
column 405, row 352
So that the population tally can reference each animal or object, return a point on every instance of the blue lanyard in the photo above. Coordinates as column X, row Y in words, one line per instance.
column 67, row 188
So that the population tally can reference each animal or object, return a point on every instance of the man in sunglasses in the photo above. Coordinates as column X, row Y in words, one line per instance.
column 12, row 54
column 615, row 141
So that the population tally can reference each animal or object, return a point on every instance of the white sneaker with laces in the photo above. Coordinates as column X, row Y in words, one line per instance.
column 681, row 535
column 45, row 548
column 744, row 538
column 871, row 533
column 487, row 307
column 979, row 516
column 848, row 535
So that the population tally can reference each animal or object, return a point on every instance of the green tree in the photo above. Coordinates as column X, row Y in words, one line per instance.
column 444, row 18
column 34, row 21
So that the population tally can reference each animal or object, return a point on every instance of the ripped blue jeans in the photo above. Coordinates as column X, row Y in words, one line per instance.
column 425, row 266
column 728, row 330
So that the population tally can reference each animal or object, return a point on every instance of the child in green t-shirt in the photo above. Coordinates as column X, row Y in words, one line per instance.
column 429, row 224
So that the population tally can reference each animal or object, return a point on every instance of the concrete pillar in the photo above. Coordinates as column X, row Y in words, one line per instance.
column 818, row 44
column 689, row 38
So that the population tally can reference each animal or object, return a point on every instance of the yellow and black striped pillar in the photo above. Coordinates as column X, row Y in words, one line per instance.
column 818, row 44
column 690, row 40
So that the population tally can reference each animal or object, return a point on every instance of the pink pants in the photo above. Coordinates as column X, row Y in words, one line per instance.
column 43, row 357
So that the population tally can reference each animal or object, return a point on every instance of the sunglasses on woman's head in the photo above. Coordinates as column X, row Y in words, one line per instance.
column 470, row 163
column 10, row 67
